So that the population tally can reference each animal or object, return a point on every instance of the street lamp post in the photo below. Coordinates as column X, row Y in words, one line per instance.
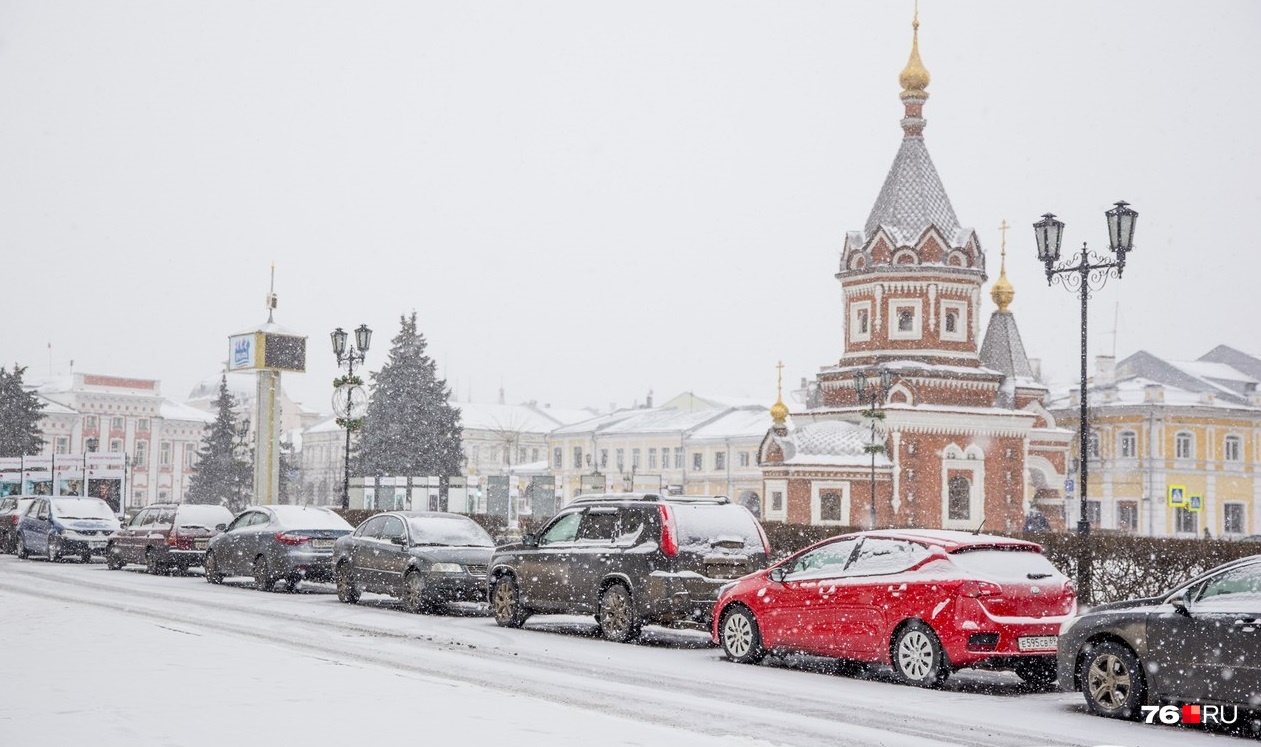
column 348, row 392
column 89, row 445
column 1084, row 274
column 876, row 395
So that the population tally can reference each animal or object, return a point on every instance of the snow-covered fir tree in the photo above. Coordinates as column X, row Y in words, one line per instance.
column 20, row 413
column 224, row 472
column 410, row 428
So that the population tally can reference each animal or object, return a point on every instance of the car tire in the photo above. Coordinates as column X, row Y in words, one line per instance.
column 1038, row 672
column 414, row 593
column 151, row 563
column 617, row 617
column 347, row 587
column 740, row 636
column 113, row 559
column 1112, row 681
column 505, row 603
column 211, row 565
column 22, row 552
column 263, row 580
column 53, row 551
column 917, row 655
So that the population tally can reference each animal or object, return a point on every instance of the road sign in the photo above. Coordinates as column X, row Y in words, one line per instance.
column 1068, row 486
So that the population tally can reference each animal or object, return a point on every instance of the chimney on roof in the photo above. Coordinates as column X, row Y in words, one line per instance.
column 649, row 399
column 1154, row 393
column 1105, row 370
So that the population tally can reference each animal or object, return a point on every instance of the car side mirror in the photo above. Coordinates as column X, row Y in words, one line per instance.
column 220, row 527
column 1179, row 602
column 398, row 541
column 530, row 540
column 778, row 574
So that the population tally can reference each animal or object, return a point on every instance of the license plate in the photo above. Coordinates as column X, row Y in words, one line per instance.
column 321, row 544
column 201, row 544
column 1037, row 643
column 96, row 545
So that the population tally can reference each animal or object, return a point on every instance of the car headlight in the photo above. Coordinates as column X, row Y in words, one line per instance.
column 446, row 568
column 1068, row 624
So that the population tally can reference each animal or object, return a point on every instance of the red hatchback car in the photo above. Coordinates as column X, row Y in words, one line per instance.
column 925, row 601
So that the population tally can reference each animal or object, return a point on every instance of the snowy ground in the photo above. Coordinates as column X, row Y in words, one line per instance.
column 123, row 658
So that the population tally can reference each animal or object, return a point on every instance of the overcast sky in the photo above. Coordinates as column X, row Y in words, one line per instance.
column 585, row 201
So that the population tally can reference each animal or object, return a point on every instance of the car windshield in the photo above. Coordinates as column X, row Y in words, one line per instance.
column 81, row 508
column 206, row 517
column 703, row 526
column 454, row 531
column 309, row 517
column 1010, row 563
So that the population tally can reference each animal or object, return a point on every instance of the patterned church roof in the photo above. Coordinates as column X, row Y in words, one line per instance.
column 912, row 197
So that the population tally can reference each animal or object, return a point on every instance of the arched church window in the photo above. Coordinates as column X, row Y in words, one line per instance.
column 952, row 321
column 960, row 498
column 906, row 320
column 863, row 322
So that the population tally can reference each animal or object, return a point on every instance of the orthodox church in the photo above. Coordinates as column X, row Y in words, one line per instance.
column 923, row 421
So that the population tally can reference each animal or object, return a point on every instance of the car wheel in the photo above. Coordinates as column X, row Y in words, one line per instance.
column 113, row 559
column 54, row 550
column 505, row 603
column 1112, row 681
column 1038, row 673
column 347, row 587
column 151, row 563
column 740, row 637
column 23, row 553
column 617, row 618
column 263, row 580
column 414, row 593
column 212, row 569
column 918, row 658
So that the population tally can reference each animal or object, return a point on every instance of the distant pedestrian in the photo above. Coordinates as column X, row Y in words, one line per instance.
column 1207, row 534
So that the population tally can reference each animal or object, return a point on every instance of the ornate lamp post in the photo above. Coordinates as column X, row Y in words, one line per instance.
column 349, row 398
column 1084, row 274
column 89, row 446
column 876, row 396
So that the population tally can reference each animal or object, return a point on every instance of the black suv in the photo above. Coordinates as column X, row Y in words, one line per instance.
column 629, row 559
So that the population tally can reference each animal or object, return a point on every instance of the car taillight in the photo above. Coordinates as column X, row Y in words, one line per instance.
column 172, row 539
column 291, row 539
column 766, row 543
column 669, row 545
column 980, row 589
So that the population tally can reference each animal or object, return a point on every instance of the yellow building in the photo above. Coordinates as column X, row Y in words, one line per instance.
column 1175, row 446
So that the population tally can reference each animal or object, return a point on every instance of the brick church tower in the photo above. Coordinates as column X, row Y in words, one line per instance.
column 922, row 422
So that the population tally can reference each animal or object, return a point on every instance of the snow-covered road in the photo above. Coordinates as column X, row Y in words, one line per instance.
column 124, row 658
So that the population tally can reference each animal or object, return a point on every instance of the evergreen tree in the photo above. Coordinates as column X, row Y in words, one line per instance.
column 224, row 473
column 20, row 413
column 410, row 428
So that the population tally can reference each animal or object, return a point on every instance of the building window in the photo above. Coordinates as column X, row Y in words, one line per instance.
column 678, row 457
column 860, row 321
column 905, row 314
column 165, row 454
column 1184, row 521
column 115, row 445
column 698, row 461
column 1233, row 449
column 777, row 500
column 534, row 454
column 906, row 319
column 1094, row 513
column 1232, row 518
column 476, row 454
column 952, row 322
column 1127, row 516
column 744, row 459
column 652, row 459
column 604, row 458
column 1092, row 445
column 558, row 458
column 621, row 460
column 864, row 322
column 720, row 460
column 521, row 455
column 89, row 422
column 577, row 457
column 190, row 456
column 830, row 506
column 142, row 425
column 142, row 454
column 1127, row 445
column 1183, row 446
column 960, row 499
column 634, row 458
column 115, row 424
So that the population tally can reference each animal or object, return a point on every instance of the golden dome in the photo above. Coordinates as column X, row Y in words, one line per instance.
column 779, row 411
column 1003, row 292
column 915, row 77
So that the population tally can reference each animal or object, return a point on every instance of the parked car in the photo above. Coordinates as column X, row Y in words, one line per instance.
column 630, row 559
column 1199, row 643
column 424, row 558
column 54, row 527
column 274, row 543
column 925, row 601
column 11, row 509
column 167, row 536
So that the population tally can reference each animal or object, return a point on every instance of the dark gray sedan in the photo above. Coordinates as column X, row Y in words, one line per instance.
column 1200, row 643
column 277, row 543
column 424, row 558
